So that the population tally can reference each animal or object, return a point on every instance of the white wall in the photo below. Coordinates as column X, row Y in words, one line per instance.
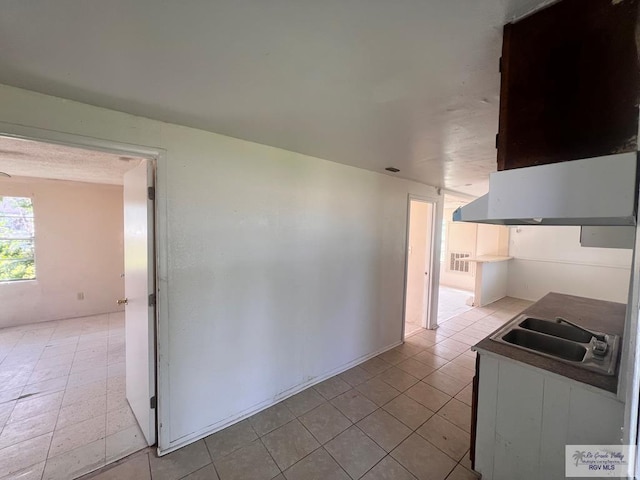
column 79, row 248
column 281, row 269
column 475, row 239
column 460, row 237
column 550, row 259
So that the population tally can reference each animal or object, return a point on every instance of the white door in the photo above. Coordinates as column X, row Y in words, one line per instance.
column 139, row 285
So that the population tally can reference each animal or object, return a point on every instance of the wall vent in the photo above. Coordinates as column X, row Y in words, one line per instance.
column 457, row 262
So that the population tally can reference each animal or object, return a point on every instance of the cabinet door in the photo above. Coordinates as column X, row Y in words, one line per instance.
column 570, row 84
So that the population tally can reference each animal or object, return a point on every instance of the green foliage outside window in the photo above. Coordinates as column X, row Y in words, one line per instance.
column 17, row 255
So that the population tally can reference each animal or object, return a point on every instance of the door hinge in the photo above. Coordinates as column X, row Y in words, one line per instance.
column 497, row 139
column 500, row 65
column 152, row 402
column 151, row 193
column 152, row 300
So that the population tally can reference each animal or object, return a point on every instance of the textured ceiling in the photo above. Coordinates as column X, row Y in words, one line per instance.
column 25, row 158
column 405, row 83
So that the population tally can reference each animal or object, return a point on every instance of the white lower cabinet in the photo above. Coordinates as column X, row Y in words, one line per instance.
column 526, row 416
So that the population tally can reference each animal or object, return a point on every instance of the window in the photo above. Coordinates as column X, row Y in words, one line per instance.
column 457, row 262
column 17, row 259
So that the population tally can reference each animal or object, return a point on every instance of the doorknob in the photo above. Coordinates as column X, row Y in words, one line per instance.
column 123, row 301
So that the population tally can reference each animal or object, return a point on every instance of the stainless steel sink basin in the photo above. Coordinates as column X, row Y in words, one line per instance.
column 556, row 329
column 567, row 343
column 556, row 347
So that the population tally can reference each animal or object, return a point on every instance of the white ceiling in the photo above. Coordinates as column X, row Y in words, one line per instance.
column 370, row 83
column 25, row 158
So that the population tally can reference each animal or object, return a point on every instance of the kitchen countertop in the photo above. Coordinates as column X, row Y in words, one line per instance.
column 595, row 315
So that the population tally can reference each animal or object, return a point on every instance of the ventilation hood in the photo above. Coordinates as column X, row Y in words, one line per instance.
column 598, row 191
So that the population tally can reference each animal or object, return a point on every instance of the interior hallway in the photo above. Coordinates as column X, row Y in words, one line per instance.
column 402, row 415
column 63, row 410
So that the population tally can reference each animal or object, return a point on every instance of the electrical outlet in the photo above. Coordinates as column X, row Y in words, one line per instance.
column 80, row 295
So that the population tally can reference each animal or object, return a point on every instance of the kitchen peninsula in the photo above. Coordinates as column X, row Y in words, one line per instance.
column 529, row 406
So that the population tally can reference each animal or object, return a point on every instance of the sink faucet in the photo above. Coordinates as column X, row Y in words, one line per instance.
column 600, row 345
column 593, row 334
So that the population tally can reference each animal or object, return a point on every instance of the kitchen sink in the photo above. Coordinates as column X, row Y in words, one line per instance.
column 556, row 329
column 556, row 347
column 563, row 341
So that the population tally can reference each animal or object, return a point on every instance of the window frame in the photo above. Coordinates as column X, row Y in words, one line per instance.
column 31, row 240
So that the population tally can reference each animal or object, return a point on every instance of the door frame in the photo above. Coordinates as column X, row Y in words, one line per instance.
column 157, row 157
column 431, row 313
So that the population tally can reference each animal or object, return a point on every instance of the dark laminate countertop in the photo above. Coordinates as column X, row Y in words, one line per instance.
column 596, row 315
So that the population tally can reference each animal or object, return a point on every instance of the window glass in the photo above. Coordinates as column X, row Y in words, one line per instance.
column 17, row 239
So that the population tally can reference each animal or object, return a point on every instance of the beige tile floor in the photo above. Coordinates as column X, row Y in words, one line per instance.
column 403, row 415
column 451, row 302
column 63, row 410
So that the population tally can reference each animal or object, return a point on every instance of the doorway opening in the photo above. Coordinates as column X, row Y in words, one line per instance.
column 473, row 270
column 458, row 243
column 77, row 334
column 418, row 269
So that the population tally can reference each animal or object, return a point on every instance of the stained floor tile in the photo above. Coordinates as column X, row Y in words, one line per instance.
column 230, row 439
column 17, row 432
column 317, row 466
column 428, row 396
column 34, row 472
column 250, row 462
column 457, row 413
column 30, row 407
column 24, row 454
column 205, row 473
column 375, row 366
column 122, row 443
column 74, row 463
column 461, row 473
column 76, row 435
column 332, row 387
column 398, row 379
column 355, row 376
column 415, row 368
column 408, row 411
column 446, row 436
column 325, row 422
column 354, row 405
column 377, row 391
column 388, row 469
column 445, row 383
column 422, row 459
column 271, row 418
column 465, row 395
column 289, row 443
column 180, row 463
column 304, row 401
column 355, row 451
column 135, row 468
column 384, row 429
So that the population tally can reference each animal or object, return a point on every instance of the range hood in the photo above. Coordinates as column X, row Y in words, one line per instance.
column 600, row 191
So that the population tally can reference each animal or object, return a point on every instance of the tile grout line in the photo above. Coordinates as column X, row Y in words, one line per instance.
column 402, row 392
column 41, row 347
column 46, row 460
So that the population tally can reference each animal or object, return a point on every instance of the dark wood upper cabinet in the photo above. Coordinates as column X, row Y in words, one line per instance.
column 570, row 83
